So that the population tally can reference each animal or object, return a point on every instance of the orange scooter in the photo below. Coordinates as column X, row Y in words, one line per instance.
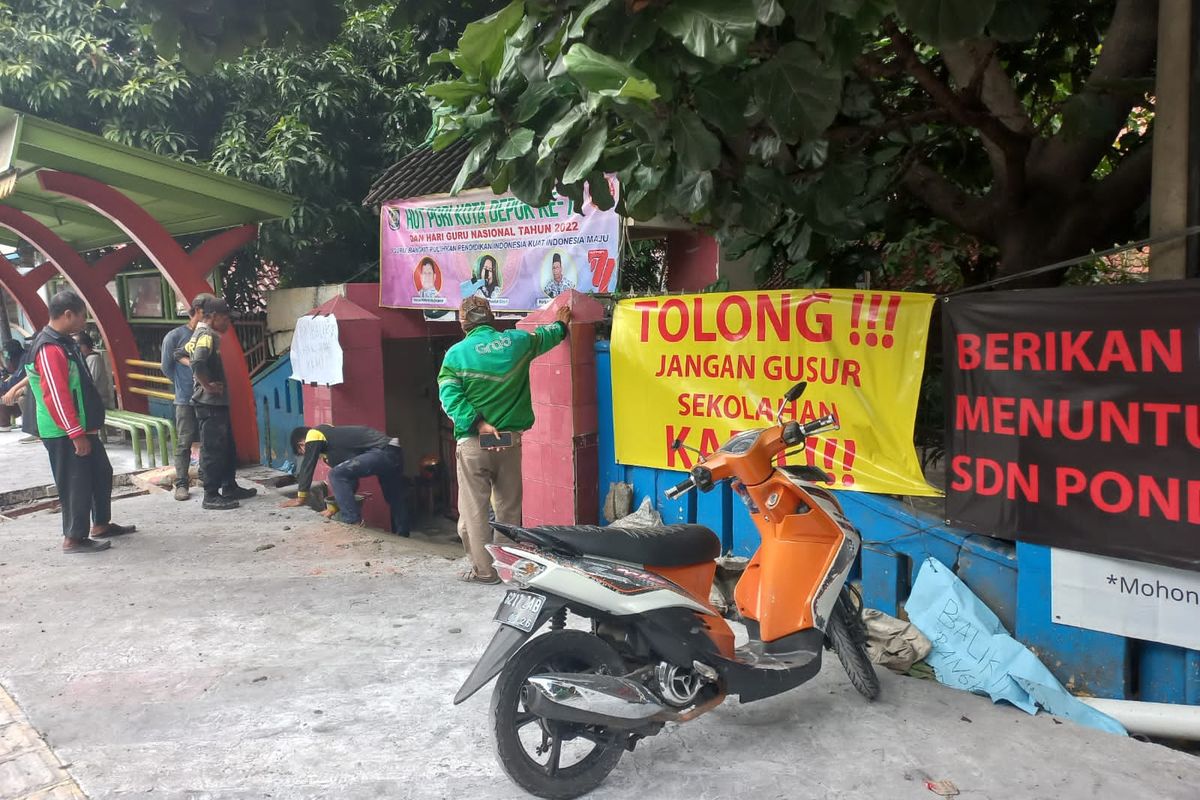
column 569, row 702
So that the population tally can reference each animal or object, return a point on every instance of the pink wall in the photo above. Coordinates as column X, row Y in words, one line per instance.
column 359, row 399
column 560, row 464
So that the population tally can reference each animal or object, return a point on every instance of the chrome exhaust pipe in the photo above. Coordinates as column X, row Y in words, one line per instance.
column 594, row 700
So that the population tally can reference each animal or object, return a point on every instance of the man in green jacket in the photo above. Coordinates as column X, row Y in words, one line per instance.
column 484, row 389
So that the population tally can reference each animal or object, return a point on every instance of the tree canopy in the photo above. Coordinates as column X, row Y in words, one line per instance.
column 1018, row 128
column 320, row 123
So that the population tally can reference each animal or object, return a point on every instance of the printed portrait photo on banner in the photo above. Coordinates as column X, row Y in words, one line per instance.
column 427, row 276
column 558, row 274
column 487, row 270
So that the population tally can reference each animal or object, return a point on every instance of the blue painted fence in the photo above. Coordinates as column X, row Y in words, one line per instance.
column 279, row 404
column 1013, row 579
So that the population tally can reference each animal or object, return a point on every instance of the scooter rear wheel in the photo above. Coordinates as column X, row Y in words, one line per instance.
column 516, row 728
column 848, row 636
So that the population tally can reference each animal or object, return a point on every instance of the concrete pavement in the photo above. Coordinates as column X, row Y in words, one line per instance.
column 261, row 653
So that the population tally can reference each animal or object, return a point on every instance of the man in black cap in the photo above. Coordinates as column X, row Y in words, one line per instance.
column 218, row 456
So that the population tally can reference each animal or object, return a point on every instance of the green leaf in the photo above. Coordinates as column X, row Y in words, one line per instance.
column 945, row 21
column 618, row 158
column 715, row 30
column 736, row 246
column 581, row 20
column 560, row 132
column 500, row 180
column 769, row 12
column 808, row 18
column 481, row 46
column 698, row 149
column 761, row 193
column 722, row 103
column 588, row 153
column 798, row 94
column 1018, row 20
column 597, row 72
column 600, row 190
column 516, row 145
column 445, row 139
column 635, row 89
column 533, row 99
column 798, row 248
column 694, row 192
column 474, row 159
column 458, row 92
column 532, row 181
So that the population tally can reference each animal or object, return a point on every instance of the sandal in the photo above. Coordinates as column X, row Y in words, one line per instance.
column 114, row 529
column 471, row 576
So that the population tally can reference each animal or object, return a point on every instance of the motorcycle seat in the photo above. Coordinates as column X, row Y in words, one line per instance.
column 664, row 546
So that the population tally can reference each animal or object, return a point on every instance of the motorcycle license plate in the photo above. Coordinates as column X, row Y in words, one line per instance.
column 520, row 609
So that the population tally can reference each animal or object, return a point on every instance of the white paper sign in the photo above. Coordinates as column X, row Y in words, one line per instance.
column 1128, row 598
column 316, row 354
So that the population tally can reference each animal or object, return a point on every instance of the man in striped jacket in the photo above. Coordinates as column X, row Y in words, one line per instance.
column 70, row 415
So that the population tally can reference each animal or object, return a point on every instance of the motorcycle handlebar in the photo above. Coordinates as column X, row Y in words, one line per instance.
column 680, row 489
column 821, row 425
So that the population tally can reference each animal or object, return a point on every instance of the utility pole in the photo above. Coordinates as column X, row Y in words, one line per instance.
column 1169, row 195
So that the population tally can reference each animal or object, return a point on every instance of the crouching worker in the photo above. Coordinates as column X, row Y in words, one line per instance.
column 352, row 452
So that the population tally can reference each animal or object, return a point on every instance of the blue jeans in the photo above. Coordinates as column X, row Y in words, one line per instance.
column 386, row 464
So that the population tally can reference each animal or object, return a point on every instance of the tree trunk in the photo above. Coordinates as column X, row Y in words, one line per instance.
column 1040, row 234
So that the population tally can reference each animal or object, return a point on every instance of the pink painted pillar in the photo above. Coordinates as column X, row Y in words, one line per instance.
column 692, row 260
column 560, row 466
column 359, row 399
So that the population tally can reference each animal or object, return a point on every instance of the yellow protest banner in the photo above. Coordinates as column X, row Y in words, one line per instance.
column 700, row 368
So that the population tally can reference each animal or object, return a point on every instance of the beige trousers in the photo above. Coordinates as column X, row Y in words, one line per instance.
column 486, row 476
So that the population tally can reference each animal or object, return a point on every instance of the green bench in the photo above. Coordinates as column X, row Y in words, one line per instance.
column 144, row 427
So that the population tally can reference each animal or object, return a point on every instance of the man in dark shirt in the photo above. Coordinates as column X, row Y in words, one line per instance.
column 180, row 373
column 218, row 456
column 353, row 452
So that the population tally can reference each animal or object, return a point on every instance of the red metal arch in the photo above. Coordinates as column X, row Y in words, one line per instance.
column 90, row 283
column 24, row 289
column 185, row 272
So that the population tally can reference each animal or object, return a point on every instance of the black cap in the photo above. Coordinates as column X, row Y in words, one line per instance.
column 199, row 300
column 217, row 305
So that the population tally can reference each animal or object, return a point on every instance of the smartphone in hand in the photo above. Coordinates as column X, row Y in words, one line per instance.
column 504, row 439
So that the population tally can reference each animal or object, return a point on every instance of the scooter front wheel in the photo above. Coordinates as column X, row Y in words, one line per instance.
column 848, row 636
column 555, row 760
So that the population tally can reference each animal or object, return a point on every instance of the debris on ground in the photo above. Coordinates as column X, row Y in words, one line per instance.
column 894, row 643
column 262, row 547
column 942, row 788
column 618, row 502
column 646, row 516
column 973, row 651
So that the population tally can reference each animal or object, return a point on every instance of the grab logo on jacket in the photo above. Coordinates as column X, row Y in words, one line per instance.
column 494, row 346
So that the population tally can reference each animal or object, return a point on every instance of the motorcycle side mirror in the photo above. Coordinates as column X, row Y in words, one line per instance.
column 795, row 392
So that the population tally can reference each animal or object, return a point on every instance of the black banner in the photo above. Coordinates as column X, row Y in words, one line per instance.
column 1073, row 418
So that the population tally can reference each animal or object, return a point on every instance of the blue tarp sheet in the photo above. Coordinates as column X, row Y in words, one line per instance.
column 973, row 651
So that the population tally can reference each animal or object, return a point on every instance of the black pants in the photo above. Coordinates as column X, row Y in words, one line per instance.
column 386, row 464
column 218, row 456
column 84, row 485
